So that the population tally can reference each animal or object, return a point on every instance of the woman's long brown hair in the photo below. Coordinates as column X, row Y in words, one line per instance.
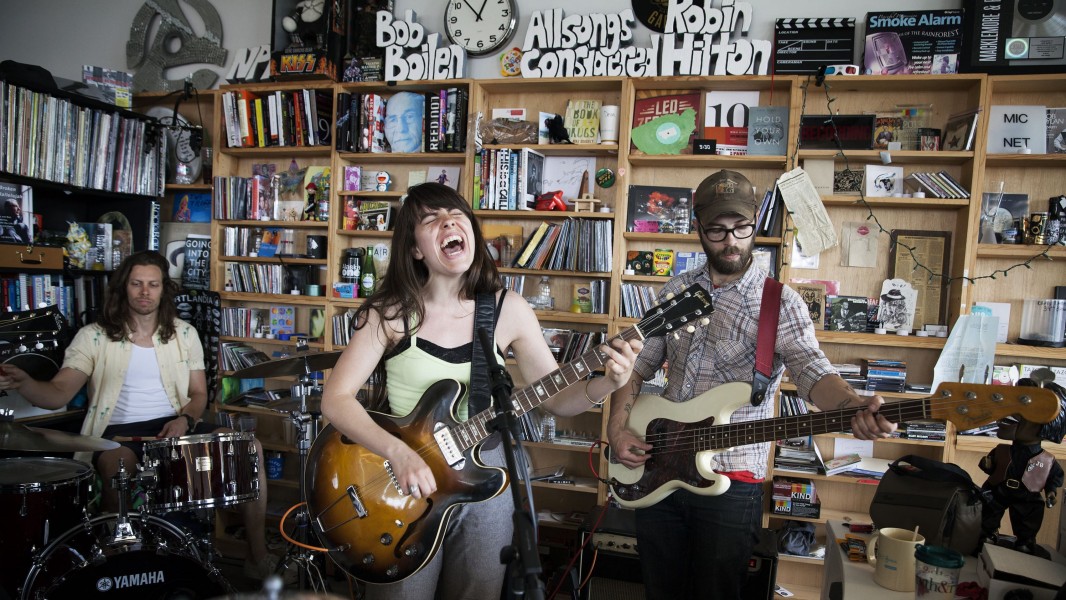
column 399, row 293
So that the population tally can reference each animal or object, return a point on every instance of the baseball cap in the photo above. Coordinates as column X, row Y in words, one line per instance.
column 724, row 192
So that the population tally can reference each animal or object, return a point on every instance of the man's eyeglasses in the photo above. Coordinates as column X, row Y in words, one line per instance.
column 740, row 232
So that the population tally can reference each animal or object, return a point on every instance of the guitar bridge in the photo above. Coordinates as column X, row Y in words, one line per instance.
column 357, row 503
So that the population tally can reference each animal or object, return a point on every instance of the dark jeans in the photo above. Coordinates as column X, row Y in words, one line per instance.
column 694, row 546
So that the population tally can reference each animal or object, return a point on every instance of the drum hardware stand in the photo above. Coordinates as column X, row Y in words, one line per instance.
column 202, row 543
column 123, row 529
column 303, row 420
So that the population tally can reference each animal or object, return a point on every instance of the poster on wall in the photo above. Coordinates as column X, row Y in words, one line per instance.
column 1014, row 36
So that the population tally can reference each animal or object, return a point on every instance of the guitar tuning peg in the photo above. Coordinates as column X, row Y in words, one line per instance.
column 23, row 348
column 670, row 296
column 691, row 329
column 39, row 345
column 677, row 335
column 705, row 321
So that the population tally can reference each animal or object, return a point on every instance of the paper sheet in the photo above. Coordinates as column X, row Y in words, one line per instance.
column 815, row 231
column 842, row 446
column 858, row 245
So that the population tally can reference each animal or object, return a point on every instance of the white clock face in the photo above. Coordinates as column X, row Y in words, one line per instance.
column 480, row 26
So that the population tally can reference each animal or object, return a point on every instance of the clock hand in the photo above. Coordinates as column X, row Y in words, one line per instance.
column 483, row 3
column 476, row 13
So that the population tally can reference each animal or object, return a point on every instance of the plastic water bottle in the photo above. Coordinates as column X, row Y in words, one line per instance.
column 547, row 427
column 544, row 293
column 682, row 218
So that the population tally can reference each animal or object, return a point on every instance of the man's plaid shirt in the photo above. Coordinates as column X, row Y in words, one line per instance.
column 724, row 351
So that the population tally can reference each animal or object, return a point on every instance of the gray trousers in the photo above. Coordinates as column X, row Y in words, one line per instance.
column 467, row 565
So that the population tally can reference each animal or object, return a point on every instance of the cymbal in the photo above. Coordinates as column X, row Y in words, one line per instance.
column 299, row 364
column 15, row 436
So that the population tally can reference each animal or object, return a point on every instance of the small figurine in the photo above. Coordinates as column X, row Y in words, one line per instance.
column 1019, row 471
column 310, row 206
column 557, row 131
column 383, row 180
column 305, row 24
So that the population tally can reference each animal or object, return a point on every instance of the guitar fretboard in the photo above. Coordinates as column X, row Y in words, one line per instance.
column 476, row 428
column 690, row 305
column 768, row 430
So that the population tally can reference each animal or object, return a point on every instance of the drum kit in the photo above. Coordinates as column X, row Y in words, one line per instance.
column 51, row 548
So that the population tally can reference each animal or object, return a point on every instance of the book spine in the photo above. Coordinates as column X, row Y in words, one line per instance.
column 342, row 133
column 433, row 123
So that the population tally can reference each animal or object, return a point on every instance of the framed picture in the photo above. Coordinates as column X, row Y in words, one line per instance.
column 959, row 131
column 933, row 250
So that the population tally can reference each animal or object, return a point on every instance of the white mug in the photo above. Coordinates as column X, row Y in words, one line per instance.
column 891, row 552
column 609, row 124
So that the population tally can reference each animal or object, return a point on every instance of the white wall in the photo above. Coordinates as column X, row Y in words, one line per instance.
column 62, row 35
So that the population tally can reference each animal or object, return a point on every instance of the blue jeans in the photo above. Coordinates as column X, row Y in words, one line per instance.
column 694, row 546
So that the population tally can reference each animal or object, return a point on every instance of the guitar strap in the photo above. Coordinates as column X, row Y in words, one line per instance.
column 769, row 317
column 485, row 315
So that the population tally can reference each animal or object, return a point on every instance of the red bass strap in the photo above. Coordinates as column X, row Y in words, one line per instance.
column 769, row 317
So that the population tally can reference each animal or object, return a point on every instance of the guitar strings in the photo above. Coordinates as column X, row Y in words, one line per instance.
column 383, row 480
column 714, row 437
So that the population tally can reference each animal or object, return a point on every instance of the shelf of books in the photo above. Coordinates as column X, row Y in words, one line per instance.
column 588, row 231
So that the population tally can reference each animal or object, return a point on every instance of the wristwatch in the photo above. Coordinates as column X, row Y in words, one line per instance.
column 190, row 421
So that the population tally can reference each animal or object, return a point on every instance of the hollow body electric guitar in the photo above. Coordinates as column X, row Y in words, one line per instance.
column 685, row 436
column 378, row 533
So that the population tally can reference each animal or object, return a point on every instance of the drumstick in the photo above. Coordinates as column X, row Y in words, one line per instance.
column 136, row 438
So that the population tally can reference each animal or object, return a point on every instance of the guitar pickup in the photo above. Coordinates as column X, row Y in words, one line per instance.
column 453, row 455
column 357, row 503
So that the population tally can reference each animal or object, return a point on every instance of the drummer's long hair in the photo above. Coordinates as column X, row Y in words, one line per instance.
column 115, row 316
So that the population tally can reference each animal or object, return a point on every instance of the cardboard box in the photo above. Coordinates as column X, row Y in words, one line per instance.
column 798, row 508
column 1001, row 570
column 917, row 42
column 793, row 489
column 315, row 50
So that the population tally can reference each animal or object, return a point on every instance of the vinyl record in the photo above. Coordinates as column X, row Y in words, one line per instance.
column 668, row 134
column 1039, row 18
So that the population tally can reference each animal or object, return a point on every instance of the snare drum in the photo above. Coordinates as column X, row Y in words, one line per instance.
column 202, row 471
column 40, row 498
column 154, row 560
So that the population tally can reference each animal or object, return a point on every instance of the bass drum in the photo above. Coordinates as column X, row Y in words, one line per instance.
column 153, row 560
column 40, row 498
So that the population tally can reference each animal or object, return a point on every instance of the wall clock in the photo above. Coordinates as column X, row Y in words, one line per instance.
column 480, row 26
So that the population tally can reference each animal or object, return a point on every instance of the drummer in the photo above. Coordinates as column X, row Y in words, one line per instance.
column 145, row 370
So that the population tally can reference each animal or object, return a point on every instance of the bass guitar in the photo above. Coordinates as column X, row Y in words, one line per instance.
column 378, row 533
column 685, row 436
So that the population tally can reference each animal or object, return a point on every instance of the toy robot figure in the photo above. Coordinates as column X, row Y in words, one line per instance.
column 1019, row 471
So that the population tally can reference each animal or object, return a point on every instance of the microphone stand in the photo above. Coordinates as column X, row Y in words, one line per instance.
column 522, row 559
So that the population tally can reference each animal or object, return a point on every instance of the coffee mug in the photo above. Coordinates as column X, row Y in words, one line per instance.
column 609, row 124
column 275, row 466
column 891, row 552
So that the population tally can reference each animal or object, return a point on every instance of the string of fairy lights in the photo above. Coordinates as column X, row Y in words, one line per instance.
column 872, row 216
